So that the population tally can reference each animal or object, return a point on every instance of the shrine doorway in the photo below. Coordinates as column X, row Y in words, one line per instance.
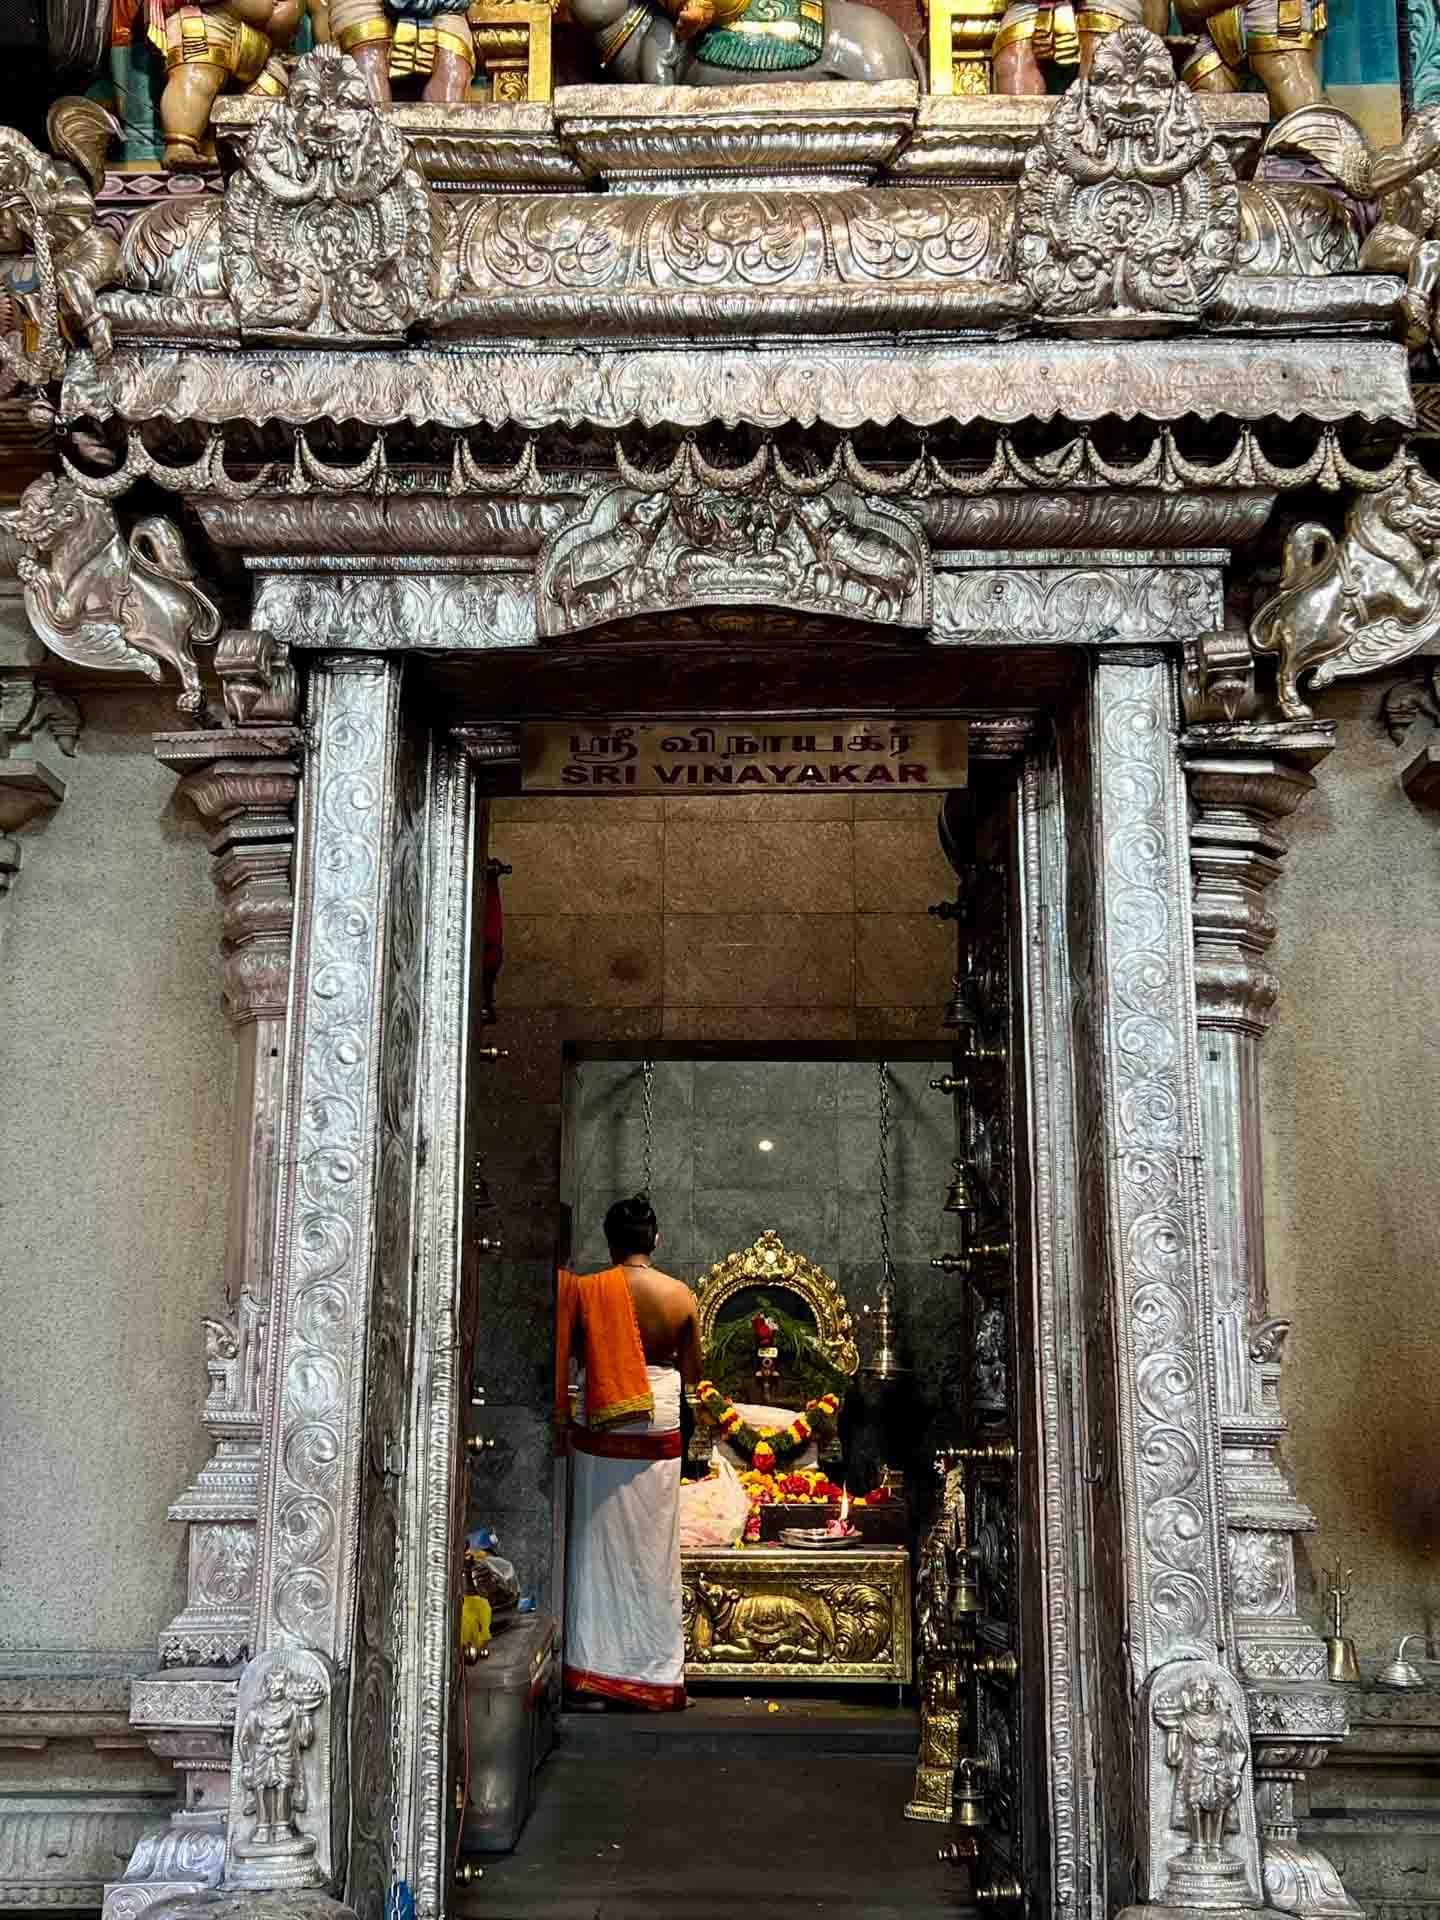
column 853, row 1170
column 1085, row 1016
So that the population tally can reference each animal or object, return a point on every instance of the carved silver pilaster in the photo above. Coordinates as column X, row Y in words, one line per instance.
column 1152, row 1430
column 243, row 783
column 242, row 780
column 333, row 1452
column 1245, row 778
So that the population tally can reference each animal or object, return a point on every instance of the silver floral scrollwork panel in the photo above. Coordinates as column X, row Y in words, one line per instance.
column 335, row 1218
column 1151, row 1442
column 437, row 1484
column 1168, row 1436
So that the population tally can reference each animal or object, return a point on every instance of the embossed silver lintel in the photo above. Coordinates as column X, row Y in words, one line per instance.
column 845, row 385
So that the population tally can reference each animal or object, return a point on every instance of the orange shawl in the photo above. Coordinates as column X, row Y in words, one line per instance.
column 617, row 1386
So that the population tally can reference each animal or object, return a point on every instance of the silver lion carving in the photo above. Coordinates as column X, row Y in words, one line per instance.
column 639, row 553
column 1365, row 601
column 100, row 598
column 47, row 215
column 1127, row 205
column 327, row 228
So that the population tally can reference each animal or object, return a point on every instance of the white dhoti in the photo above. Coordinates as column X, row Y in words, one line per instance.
column 624, row 1636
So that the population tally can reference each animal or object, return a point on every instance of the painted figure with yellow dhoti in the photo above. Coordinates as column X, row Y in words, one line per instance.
column 397, row 40
column 1035, row 34
column 235, row 44
column 1279, row 40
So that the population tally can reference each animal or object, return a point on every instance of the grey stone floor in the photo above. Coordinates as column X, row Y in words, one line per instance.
column 726, row 1812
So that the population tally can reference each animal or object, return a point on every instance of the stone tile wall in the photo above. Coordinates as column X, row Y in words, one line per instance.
column 786, row 917
column 730, row 922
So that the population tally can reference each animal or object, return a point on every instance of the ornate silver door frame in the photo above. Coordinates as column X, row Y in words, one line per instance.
column 1123, row 1459
column 359, row 1472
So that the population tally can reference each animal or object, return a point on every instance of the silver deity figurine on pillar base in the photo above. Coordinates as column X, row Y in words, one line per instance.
column 1207, row 1751
column 281, row 1741
column 1204, row 1842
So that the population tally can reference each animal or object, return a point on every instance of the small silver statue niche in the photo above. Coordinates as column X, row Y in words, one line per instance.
column 271, row 1739
column 1207, row 1752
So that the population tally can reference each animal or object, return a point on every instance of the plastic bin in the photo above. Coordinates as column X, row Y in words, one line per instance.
column 511, row 1698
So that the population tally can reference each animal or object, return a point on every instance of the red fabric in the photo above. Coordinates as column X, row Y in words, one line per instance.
column 626, row 1446
column 493, row 957
column 635, row 1692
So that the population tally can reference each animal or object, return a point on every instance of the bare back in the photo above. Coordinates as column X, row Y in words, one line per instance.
column 669, row 1326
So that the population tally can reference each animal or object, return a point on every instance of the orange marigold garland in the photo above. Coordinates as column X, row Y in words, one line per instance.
column 768, row 1447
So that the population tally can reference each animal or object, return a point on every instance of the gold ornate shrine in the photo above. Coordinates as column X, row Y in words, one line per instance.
column 769, row 1263
column 782, row 1614
column 786, row 1615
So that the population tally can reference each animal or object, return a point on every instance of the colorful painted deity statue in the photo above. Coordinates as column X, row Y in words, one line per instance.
column 235, row 43
column 1037, row 33
column 392, row 40
column 1278, row 39
column 715, row 43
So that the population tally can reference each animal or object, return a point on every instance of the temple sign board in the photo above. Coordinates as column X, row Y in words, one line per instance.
column 809, row 756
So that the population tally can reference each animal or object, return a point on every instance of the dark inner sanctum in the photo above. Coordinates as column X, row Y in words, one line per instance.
column 842, row 1209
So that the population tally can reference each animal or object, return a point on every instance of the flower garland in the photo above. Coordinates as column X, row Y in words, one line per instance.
column 766, row 1447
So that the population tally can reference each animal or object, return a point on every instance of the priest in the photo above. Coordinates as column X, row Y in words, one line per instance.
column 629, row 1338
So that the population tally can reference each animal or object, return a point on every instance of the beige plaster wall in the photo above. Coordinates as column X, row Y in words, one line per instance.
column 1352, row 1119
column 115, row 1065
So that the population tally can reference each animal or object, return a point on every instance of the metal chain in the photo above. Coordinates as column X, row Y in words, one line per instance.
column 648, row 1071
column 887, row 1271
column 396, row 1902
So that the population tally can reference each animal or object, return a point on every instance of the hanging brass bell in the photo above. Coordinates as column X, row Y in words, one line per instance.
column 969, row 1800
column 964, row 1589
column 960, row 1195
column 885, row 1361
column 963, row 1010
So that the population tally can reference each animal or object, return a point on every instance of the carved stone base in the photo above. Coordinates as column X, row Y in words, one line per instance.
column 126, row 1902
column 186, row 1855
